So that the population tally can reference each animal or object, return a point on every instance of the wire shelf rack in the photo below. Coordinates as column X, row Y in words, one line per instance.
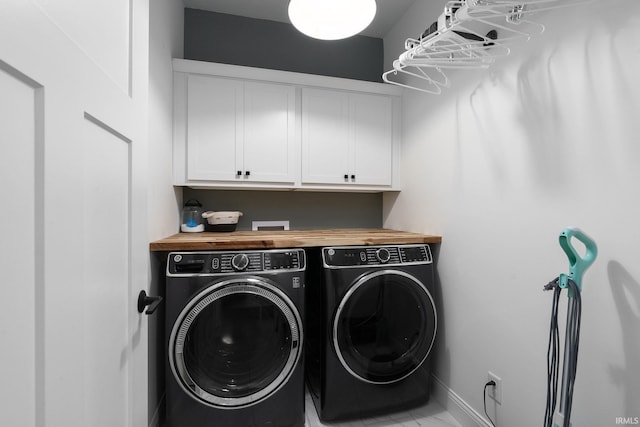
column 469, row 34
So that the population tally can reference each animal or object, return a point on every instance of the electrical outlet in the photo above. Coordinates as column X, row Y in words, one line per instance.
column 495, row 392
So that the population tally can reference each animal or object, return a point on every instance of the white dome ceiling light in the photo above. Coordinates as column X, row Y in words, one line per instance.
column 331, row 19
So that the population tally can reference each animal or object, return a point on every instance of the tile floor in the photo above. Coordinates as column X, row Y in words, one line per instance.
column 430, row 415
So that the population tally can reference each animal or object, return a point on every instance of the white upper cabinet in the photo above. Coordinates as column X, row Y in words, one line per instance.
column 326, row 158
column 214, row 126
column 270, row 144
column 347, row 138
column 241, row 127
column 237, row 132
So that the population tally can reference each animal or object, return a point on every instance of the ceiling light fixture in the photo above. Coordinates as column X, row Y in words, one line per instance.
column 331, row 19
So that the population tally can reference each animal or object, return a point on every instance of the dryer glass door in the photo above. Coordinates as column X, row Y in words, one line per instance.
column 236, row 343
column 384, row 327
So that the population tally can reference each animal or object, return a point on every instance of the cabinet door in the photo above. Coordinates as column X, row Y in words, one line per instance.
column 269, row 148
column 372, row 139
column 326, row 136
column 214, row 128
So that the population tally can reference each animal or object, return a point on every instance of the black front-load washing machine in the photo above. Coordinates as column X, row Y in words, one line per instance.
column 235, row 338
column 370, row 326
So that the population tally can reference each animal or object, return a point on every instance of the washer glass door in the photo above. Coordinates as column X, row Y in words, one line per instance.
column 236, row 343
column 384, row 327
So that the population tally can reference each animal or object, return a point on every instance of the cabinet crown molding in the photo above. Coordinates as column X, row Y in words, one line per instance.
column 287, row 77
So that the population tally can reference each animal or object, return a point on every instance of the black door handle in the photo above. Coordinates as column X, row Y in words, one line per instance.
column 144, row 301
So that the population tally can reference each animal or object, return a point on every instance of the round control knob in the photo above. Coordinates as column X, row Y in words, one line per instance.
column 239, row 262
column 383, row 255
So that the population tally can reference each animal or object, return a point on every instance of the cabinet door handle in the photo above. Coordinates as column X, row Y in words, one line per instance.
column 346, row 176
column 353, row 177
column 239, row 173
column 247, row 173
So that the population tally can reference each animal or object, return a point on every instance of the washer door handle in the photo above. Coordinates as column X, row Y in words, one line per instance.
column 144, row 301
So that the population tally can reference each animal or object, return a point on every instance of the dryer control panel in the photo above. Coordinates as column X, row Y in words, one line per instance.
column 357, row 256
column 223, row 262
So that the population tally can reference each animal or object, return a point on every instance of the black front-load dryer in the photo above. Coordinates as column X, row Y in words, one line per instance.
column 371, row 323
column 235, row 338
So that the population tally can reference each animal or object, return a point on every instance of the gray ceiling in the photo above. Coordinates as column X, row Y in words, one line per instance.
column 389, row 11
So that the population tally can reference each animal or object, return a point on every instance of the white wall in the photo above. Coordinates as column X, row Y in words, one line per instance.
column 499, row 165
column 165, row 43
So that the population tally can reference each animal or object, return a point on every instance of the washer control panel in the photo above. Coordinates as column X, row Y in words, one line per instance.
column 223, row 262
column 355, row 256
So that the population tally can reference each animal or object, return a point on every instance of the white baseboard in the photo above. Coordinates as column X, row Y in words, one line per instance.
column 456, row 406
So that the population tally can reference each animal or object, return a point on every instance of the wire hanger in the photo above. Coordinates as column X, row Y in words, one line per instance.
column 431, row 85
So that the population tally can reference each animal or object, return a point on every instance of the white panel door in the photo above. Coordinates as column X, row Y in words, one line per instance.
column 214, row 128
column 74, row 252
column 269, row 133
column 373, row 139
column 326, row 137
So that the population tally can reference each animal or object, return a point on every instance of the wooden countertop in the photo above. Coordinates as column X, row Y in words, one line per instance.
column 288, row 239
